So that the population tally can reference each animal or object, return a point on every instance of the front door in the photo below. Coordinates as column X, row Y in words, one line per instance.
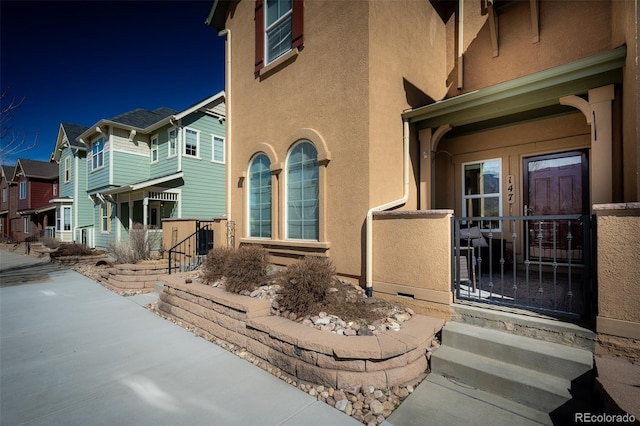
column 556, row 184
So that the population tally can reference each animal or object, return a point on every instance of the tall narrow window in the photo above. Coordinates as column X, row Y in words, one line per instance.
column 481, row 191
column 67, row 169
column 173, row 142
column 25, row 224
column 260, row 197
column 218, row 149
column 154, row 148
column 23, row 190
column 302, row 192
column 191, row 141
column 63, row 220
column 97, row 154
column 55, row 189
column 278, row 29
column 104, row 217
column 4, row 194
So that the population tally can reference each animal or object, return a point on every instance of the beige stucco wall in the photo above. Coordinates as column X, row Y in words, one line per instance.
column 412, row 259
column 347, row 85
column 176, row 230
column 618, row 321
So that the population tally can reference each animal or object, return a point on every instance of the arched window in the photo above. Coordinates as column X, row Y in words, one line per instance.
column 260, row 197
column 302, row 192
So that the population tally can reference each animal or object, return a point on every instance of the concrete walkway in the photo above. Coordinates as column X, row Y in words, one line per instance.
column 74, row 353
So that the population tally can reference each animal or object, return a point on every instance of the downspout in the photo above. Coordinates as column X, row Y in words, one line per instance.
column 387, row 206
column 227, row 99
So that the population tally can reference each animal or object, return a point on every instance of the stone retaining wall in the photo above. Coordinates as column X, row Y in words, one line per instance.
column 79, row 260
column 141, row 277
column 385, row 360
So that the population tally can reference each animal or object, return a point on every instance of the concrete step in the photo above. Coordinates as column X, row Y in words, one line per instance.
column 524, row 323
column 538, row 355
column 532, row 388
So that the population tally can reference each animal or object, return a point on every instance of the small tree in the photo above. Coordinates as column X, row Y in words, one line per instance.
column 11, row 143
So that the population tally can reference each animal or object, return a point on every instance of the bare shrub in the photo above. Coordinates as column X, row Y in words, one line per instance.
column 216, row 264
column 305, row 285
column 246, row 269
column 141, row 245
column 72, row 250
column 50, row 242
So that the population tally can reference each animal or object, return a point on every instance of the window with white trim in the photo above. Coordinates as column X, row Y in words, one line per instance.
column 67, row 169
column 302, row 192
column 481, row 191
column 191, row 142
column 25, row 224
column 172, row 136
column 154, row 148
column 4, row 194
column 97, row 154
column 217, row 149
column 277, row 28
column 55, row 189
column 104, row 216
column 260, row 197
column 23, row 190
column 63, row 219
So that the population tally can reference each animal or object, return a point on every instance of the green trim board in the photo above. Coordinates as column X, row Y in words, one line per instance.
column 523, row 96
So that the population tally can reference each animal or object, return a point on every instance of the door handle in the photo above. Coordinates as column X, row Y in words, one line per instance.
column 527, row 211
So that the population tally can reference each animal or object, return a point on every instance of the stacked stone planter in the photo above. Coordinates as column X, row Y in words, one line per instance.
column 385, row 360
column 79, row 260
column 139, row 277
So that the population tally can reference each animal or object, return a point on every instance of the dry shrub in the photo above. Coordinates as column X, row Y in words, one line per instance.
column 305, row 285
column 139, row 247
column 216, row 264
column 246, row 269
column 121, row 253
column 72, row 250
column 50, row 242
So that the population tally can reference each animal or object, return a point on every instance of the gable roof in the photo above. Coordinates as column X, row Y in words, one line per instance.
column 36, row 169
column 212, row 105
column 73, row 131
column 142, row 118
column 7, row 172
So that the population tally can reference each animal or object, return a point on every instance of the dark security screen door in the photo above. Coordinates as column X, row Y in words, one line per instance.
column 556, row 184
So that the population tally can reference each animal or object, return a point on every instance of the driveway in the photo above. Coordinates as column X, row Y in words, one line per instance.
column 74, row 353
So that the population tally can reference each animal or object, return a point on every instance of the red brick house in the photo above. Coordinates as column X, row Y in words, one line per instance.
column 8, row 200
column 36, row 183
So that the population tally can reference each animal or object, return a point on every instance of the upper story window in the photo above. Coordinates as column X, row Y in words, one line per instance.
column 55, row 189
column 303, row 192
column 260, row 197
column 4, row 194
column 217, row 149
column 25, row 224
column 154, row 148
column 23, row 189
column 105, row 212
column 481, row 192
column 97, row 154
column 172, row 142
column 278, row 29
column 63, row 219
column 67, row 169
column 191, row 142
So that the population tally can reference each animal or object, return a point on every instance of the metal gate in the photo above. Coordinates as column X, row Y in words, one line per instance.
column 539, row 263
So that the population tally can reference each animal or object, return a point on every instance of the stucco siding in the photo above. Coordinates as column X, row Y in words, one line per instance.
column 129, row 168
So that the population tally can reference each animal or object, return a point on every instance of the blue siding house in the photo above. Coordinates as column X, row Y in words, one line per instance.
column 74, row 210
column 145, row 166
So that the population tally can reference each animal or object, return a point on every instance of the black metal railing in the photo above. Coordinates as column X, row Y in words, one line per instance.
column 540, row 263
column 188, row 254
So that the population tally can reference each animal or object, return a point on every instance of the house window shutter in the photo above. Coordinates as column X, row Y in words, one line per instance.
column 297, row 24
column 259, row 18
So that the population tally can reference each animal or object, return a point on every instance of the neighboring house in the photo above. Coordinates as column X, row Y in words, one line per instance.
column 74, row 209
column 8, row 200
column 145, row 166
column 435, row 109
column 37, row 183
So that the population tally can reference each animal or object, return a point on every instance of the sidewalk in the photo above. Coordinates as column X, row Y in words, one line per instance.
column 72, row 352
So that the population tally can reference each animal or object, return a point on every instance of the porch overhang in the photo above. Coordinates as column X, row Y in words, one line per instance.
column 62, row 200
column 144, row 184
column 525, row 98
column 37, row 210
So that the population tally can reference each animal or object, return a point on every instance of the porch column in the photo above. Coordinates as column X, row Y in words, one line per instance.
column 145, row 208
column 597, row 111
column 429, row 140
column 130, row 204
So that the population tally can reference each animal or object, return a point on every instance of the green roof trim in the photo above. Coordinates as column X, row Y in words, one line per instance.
column 523, row 96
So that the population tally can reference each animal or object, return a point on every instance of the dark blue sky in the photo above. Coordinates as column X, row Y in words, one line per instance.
column 81, row 61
